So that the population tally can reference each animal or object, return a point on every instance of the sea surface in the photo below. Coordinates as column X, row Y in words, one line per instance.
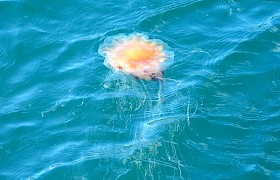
column 214, row 115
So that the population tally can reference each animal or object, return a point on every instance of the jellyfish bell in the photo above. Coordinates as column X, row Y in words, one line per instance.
column 136, row 55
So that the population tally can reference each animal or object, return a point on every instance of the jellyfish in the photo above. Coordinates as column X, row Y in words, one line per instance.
column 136, row 55
column 146, row 59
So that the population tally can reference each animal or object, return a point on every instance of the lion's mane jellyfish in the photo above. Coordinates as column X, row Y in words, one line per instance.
column 136, row 55
column 146, row 113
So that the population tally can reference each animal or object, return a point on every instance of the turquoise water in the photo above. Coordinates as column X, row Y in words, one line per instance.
column 64, row 115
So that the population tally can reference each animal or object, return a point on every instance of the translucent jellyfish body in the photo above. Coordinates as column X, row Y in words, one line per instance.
column 136, row 55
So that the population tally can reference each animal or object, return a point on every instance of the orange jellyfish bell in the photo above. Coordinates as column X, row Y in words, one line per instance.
column 136, row 55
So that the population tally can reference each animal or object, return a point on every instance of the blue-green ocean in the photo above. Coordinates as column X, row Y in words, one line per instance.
column 215, row 114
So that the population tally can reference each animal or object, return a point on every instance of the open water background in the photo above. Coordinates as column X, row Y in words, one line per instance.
column 64, row 115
